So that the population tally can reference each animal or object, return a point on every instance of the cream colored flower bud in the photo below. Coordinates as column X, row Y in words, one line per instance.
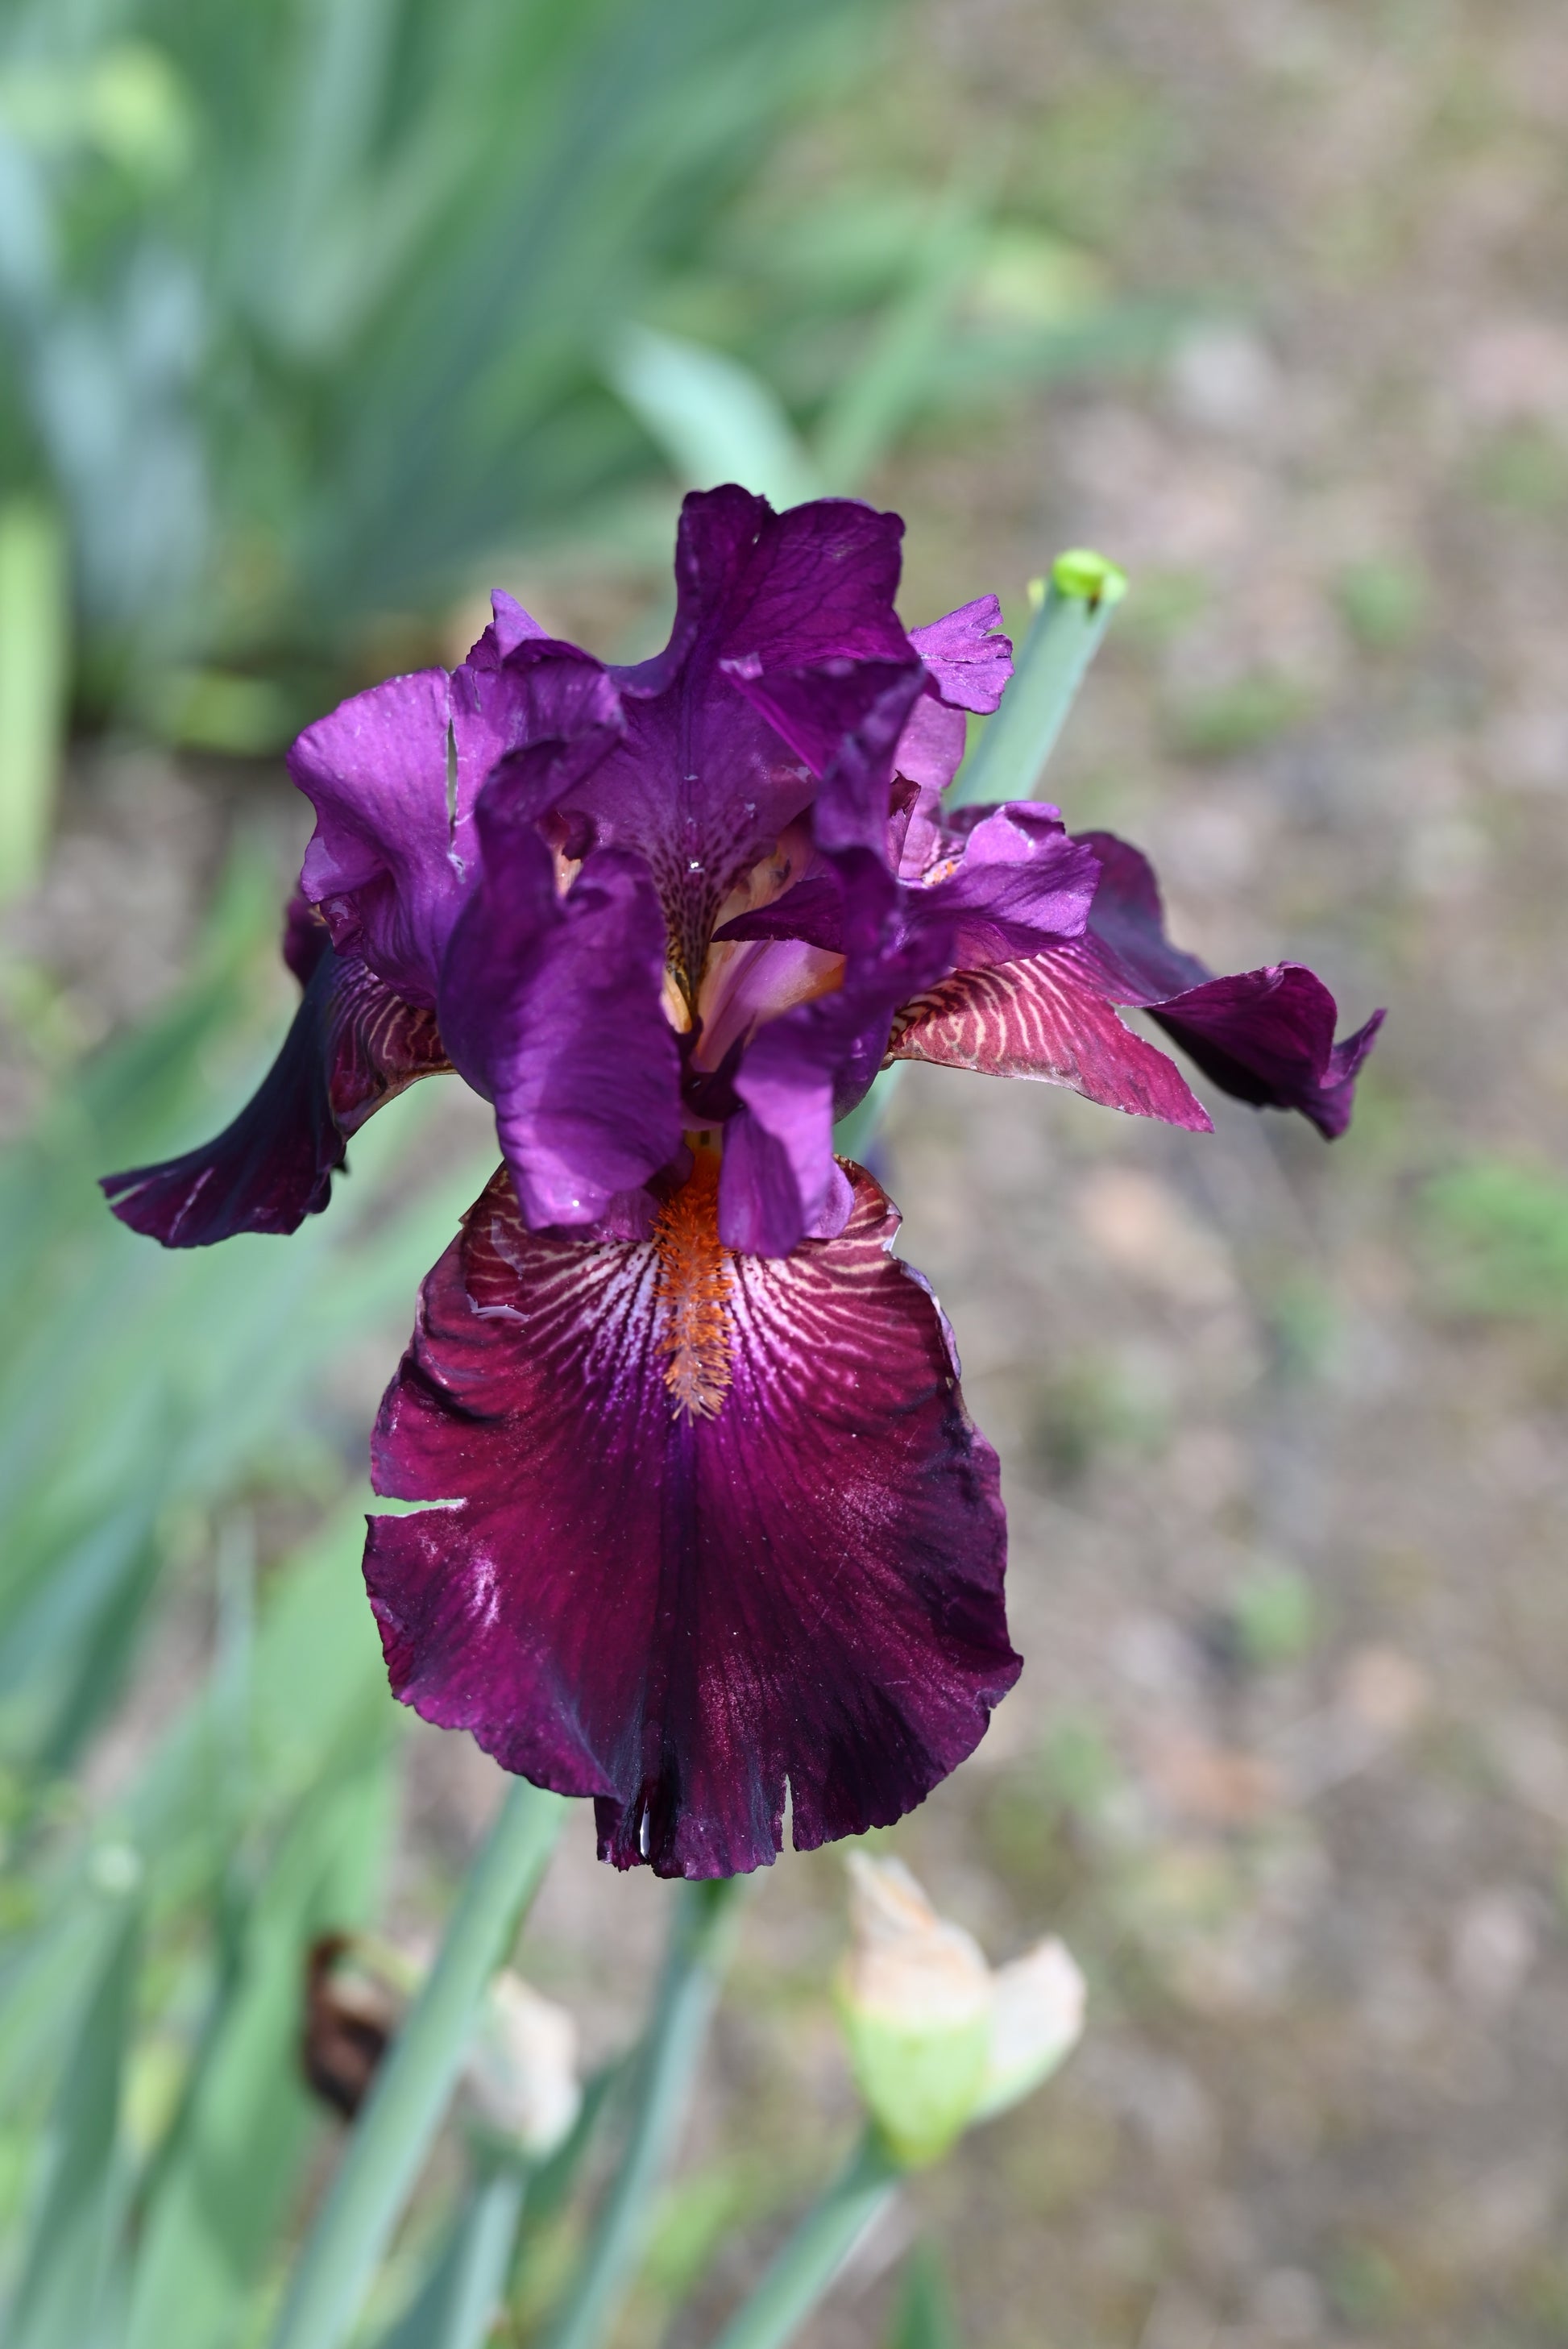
column 936, row 2040
column 521, row 2076
column 1037, row 2019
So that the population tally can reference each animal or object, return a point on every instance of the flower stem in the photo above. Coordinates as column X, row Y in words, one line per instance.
column 393, row 2135
column 661, row 2092
column 457, row 2307
column 34, row 654
column 805, row 2269
column 1070, row 624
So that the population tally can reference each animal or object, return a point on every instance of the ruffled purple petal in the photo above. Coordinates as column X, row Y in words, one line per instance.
column 510, row 626
column 969, row 662
column 852, row 805
column 932, row 746
column 785, row 650
column 1020, row 885
column 720, row 1527
column 353, row 1044
column 551, row 1001
column 967, row 656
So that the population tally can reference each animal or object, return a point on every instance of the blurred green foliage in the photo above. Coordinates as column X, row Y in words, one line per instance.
column 1231, row 719
column 1274, row 1613
column 304, row 303
column 309, row 311
column 1383, row 601
column 312, row 308
column 1495, row 1237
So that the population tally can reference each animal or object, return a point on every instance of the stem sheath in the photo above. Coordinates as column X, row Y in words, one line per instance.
column 805, row 2269
column 1069, row 626
column 661, row 2094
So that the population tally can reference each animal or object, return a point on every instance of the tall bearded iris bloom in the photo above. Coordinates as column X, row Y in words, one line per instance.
column 714, row 1523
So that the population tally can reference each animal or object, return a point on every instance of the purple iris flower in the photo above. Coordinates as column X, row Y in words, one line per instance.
column 714, row 1525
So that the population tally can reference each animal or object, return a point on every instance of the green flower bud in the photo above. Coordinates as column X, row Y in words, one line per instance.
column 936, row 2040
column 1091, row 577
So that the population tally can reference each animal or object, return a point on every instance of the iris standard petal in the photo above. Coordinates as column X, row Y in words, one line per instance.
column 968, row 658
column 550, row 997
column 932, row 746
column 353, row 1044
column 379, row 863
column 786, row 644
column 718, row 1527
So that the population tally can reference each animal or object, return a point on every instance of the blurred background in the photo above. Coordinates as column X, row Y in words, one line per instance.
column 321, row 318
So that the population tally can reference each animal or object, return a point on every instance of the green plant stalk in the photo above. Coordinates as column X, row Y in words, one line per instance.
column 805, row 2269
column 661, row 2092
column 456, row 2306
column 393, row 2135
column 1074, row 612
column 1069, row 627
column 35, row 638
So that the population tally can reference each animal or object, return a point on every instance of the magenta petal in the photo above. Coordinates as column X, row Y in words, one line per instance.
column 814, row 1063
column 352, row 1046
column 818, row 587
column 1041, row 1018
column 1267, row 1037
column 1264, row 1035
column 792, row 1580
column 969, row 658
column 1126, row 928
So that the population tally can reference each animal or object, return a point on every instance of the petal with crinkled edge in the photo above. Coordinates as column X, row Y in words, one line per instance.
column 968, row 657
column 786, row 652
column 790, row 1579
column 1038, row 1018
column 1264, row 1035
column 1267, row 1037
column 353, row 1044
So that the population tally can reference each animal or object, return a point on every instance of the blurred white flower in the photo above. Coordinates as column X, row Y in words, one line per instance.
column 521, row 2077
column 936, row 2039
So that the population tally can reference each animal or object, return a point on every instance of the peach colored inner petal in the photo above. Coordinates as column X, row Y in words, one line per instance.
column 748, row 982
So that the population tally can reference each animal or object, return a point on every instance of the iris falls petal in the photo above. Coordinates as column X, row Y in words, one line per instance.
column 353, row 1044
column 1039, row 1017
column 715, row 1526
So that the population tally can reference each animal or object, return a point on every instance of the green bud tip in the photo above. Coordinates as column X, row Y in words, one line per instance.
column 1088, row 577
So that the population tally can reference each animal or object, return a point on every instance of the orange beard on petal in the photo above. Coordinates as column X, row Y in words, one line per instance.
column 693, row 1293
